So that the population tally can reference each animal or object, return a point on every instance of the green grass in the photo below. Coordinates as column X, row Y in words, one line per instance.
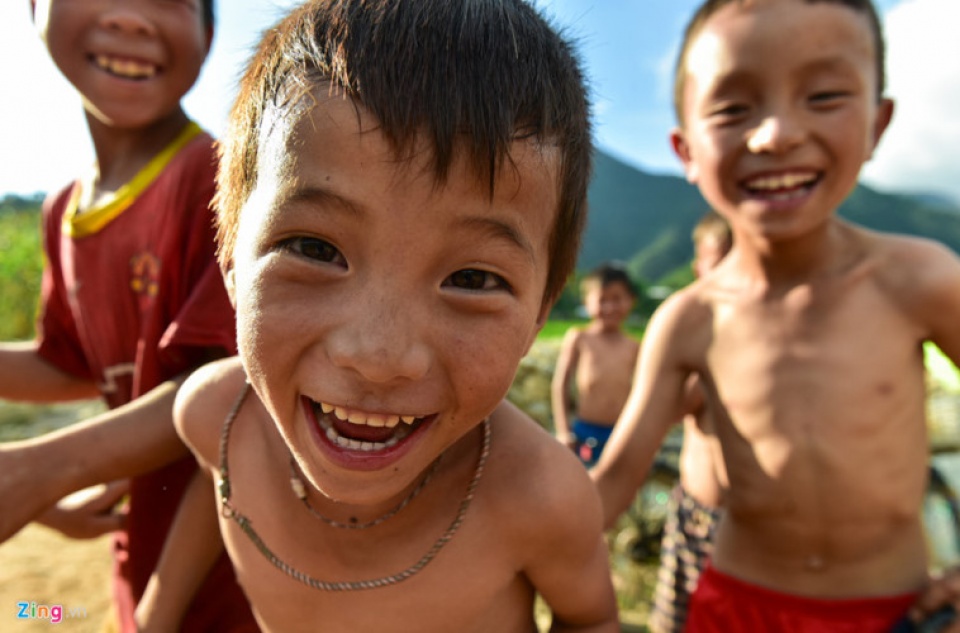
column 21, row 263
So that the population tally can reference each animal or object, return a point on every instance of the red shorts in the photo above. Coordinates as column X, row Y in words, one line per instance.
column 723, row 604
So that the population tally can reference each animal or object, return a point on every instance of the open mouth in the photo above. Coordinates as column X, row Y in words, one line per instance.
column 126, row 68
column 785, row 186
column 360, row 431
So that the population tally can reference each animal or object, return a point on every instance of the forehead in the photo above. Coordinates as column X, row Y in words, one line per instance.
column 299, row 140
column 333, row 156
column 780, row 36
column 596, row 287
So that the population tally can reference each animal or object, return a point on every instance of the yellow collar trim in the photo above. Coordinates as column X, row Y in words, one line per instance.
column 98, row 216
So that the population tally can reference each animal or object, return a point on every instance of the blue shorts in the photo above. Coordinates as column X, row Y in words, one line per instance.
column 591, row 438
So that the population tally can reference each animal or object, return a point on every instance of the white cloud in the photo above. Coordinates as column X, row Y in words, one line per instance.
column 921, row 149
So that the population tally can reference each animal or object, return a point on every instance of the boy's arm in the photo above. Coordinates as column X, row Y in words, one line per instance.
column 190, row 551
column 656, row 402
column 935, row 297
column 25, row 376
column 193, row 543
column 560, row 387
column 129, row 440
column 569, row 565
column 88, row 513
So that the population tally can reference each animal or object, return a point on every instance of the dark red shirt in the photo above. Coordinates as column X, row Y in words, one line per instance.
column 132, row 296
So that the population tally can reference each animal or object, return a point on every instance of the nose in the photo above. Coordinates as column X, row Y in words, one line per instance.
column 775, row 134
column 127, row 17
column 382, row 340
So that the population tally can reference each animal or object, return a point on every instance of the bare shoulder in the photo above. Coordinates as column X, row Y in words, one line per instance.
column 683, row 319
column 571, row 338
column 202, row 405
column 530, row 471
column 918, row 273
column 907, row 259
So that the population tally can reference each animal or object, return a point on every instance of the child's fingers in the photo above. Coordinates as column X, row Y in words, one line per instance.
column 100, row 498
column 942, row 592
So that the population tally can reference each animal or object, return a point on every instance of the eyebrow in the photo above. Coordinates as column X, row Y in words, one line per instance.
column 500, row 230
column 829, row 64
column 320, row 196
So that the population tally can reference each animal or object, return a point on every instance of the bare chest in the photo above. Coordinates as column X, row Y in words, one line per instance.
column 606, row 361
column 415, row 572
column 454, row 592
column 811, row 358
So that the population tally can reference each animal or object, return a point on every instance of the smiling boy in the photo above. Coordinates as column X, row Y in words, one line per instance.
column 132, row 299
column 394, row 229
column 807, row 337
column 598, row 359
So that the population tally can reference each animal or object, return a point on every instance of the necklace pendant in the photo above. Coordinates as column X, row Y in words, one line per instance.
column 298, row 488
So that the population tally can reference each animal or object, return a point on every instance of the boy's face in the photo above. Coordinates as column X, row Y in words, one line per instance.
column 367, row 294
column 132, row 61
column 780, row 112
column 709, row 251
column 608, row 304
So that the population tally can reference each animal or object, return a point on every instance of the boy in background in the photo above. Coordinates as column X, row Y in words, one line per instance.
column 598, row 359
column 807, row 338
column 131, row 297
column 694, row 506
column 391, row 260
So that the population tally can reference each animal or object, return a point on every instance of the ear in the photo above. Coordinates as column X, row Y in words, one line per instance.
column 678, row 142
column 881, row 122
column 229, row 281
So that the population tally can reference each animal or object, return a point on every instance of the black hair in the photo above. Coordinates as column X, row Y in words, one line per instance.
column 463, row 75
column 610, row 273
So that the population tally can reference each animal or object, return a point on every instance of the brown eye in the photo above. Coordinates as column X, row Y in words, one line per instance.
column 474, row 279
column 315, row 249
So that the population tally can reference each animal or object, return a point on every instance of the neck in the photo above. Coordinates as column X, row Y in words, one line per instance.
column 815, row 255
column 121, row 153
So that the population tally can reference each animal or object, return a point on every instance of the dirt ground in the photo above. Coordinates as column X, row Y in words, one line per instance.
column 39, row 566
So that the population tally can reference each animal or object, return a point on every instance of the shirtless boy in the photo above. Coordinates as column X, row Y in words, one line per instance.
column 694, row 507
column 808, row 336
column 394, row 228
column 599, row 360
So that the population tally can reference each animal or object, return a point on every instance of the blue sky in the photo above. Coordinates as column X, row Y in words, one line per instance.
column 628, row 47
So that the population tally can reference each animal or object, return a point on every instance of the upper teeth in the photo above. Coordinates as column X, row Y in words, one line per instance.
column 126, row 67
column 783, row 181
column 367, row 419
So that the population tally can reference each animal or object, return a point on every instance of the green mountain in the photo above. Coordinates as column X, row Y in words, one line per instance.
column 645, row 219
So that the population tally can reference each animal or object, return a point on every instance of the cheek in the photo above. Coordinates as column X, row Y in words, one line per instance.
column 487, row 360
column 263, row 322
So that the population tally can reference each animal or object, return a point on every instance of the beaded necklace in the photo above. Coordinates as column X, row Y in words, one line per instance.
column 246, row 525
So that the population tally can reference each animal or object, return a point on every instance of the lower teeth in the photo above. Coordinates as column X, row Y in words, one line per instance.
column 357, row 445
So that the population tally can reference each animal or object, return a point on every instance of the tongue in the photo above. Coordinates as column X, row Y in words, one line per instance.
column 364, row 433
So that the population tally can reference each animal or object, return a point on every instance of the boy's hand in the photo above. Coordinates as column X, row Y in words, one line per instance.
column 569, row 440
column 940, row 595
column 88, row 513
column 23, row 478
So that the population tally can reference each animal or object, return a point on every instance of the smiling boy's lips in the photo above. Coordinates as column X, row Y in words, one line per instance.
column 781, row 182
column 364, row 432
column 125, row 67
